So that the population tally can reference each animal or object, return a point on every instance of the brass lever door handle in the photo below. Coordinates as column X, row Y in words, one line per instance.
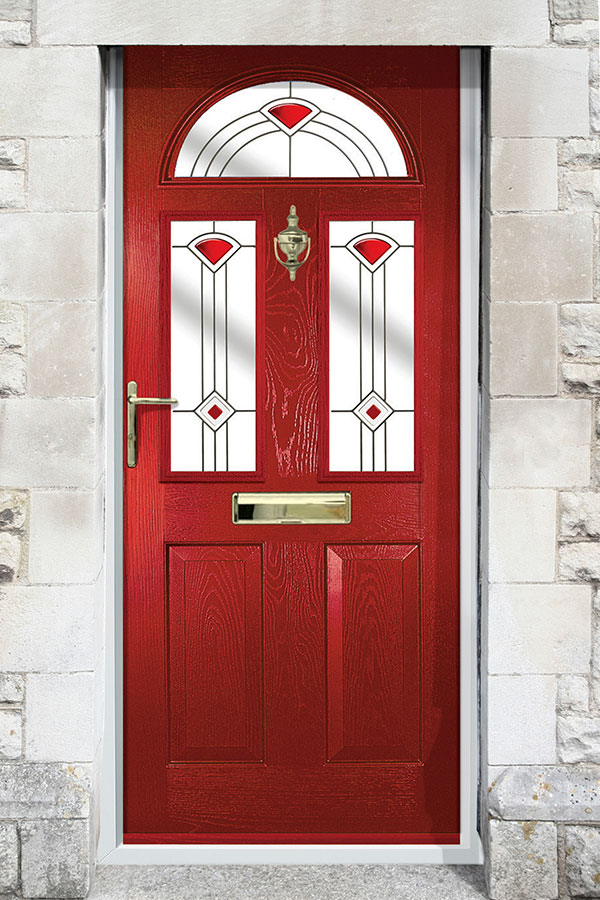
column 133, row 401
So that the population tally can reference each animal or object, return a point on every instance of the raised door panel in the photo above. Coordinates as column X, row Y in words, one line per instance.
column 215, row 650
column 373, row 653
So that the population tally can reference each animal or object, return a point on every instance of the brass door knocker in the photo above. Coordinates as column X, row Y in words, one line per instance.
column 292, row 241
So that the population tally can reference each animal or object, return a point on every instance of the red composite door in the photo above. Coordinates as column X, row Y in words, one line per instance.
column 291, row 596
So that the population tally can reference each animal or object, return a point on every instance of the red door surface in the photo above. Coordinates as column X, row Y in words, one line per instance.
column 292, row 676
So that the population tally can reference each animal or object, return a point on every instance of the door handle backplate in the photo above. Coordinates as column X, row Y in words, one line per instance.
column 133, row 401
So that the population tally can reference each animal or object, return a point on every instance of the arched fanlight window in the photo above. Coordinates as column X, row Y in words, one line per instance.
column 297, row 129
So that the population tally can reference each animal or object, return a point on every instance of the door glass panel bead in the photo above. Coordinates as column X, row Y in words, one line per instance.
column 371, row 346
column 213, row 346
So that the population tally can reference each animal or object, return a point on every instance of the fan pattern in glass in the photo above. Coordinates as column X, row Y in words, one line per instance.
column 213, row 368
column 290, row 129
column 371, row 346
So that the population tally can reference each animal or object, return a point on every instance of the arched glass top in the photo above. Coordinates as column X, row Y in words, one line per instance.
column 296, row 129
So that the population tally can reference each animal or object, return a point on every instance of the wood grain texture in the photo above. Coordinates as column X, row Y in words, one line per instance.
column 215, row 653
column 373, row 658
column 287, row 789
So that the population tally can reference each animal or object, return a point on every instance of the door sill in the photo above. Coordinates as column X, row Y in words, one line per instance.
column 468, row 852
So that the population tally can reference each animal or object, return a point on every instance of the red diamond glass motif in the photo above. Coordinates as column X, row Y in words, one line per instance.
column 373, row 411
column 372, row 249
column 290, row 114
column 215, row 411
column 214, row 249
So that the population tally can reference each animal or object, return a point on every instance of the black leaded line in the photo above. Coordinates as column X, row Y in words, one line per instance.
column 360, row 339
column 290, row 84
column 372, row 331
column 214, row 451
column 226, row 338
column 372, row 227
column 331, row 410
column 289, row 155
column 214, row 227
column 366, row 137
column 385, row 467
column 343, row 152
column 337, row 130
column 274, row 130
column 345, row 246
column 227, row 445
column 202, row 351
column 217, row 133
column 373, row 451
column 214, row 330
column 385, row 333
column 361, row 447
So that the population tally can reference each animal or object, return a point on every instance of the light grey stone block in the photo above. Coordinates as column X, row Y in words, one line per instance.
column 523, row 861
column 65, row 174
column 579, row 561
column 66, row 248
column 11, row 553
column 572, row 694
column 44, row 791
column 578, row 739
column 529, row 87
column 580, row 330
column 13, row 373
column 14, row 506
column 9, row 857
column 545, row 793
column 12, row 325
column 49, row 443
column 580, row 189
column 12, row 189
column 539, row 629
column 574, row 9
column 521, row 719
column 55, row 91
column 580, row 514
column 12, row 688
column 66, row 536
column 15, row 34
column 55, row 859
column 540, row 443
column 523, row 349
column 60, row 717
column 581, row 378
column 47, row 629
column 542, row 257
column 72, row 374
column 577, row 33
column 473, row 22
column 580, row 152
column 523, row 174
column 522, row 535
column 582, row 846
column 12, row 153
column 10, row 733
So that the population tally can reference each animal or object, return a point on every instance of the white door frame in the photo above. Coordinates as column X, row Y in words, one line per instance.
column 111, row 849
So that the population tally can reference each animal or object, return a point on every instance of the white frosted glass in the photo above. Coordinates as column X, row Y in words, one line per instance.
column 346, row 138
column 186, row 443
column 371, row 346
column 213, row 338
column 401, row 431
column 344, row 331
column 344, row 442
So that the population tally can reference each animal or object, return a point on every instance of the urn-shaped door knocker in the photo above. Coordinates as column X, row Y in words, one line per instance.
column 292, row 241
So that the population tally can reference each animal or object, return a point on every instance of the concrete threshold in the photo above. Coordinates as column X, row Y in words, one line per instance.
column 289, row 883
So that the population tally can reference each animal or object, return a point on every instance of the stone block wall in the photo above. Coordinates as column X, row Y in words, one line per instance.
column 541, row 543
column 540, row 506
column 51, row 457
